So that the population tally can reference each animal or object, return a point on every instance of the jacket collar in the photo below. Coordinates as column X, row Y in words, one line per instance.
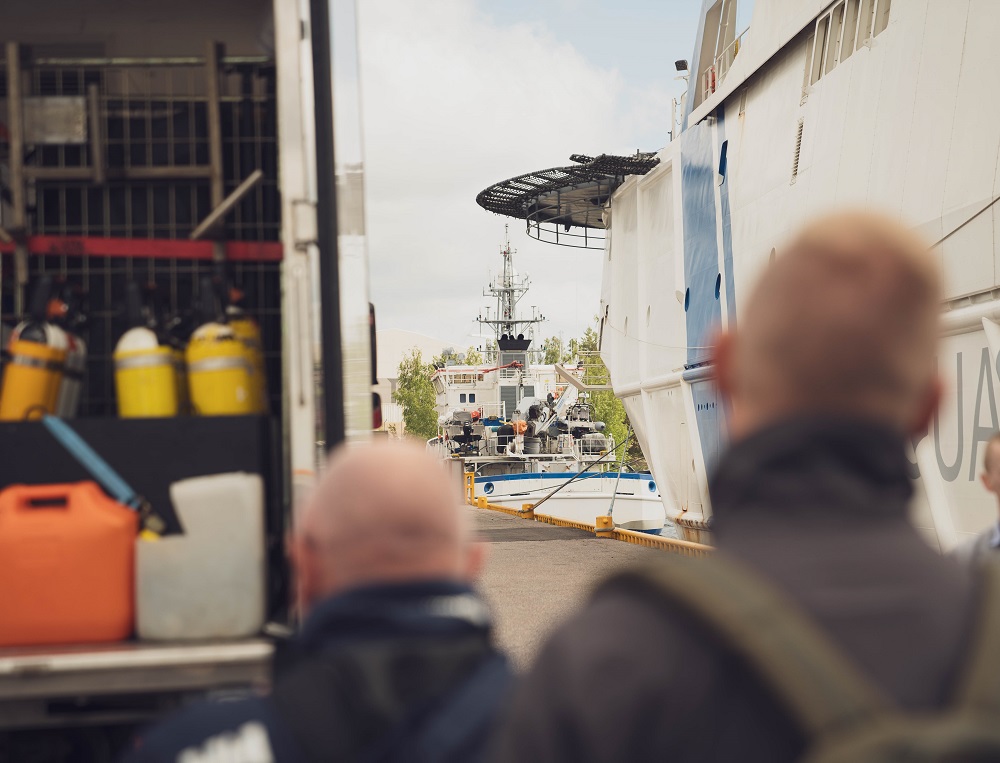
column 427, row 608
column 816, row 466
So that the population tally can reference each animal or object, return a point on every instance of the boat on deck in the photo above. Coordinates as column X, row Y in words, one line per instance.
column 526, row 432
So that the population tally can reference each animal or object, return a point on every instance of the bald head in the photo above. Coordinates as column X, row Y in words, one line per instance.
column 844, row 322
column 382, row 513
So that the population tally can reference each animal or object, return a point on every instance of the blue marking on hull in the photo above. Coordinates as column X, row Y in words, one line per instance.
column 701, row 259
column 702, row 221
column 727, row 231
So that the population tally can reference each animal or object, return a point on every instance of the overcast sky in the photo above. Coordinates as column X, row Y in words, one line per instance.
column 460, row 94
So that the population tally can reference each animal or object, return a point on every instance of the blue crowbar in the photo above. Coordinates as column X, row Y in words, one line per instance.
column 109, row 479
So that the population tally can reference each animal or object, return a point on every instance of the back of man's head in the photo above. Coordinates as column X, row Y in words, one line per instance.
column 382, row 513
column 845, row 322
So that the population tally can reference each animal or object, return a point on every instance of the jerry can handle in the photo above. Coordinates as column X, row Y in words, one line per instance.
column 34, row 497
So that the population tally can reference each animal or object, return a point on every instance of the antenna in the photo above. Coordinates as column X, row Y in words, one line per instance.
column 513, row 333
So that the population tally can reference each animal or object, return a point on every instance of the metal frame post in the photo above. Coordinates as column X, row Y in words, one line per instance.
column 15, row 130
column 97, row 162
column 213, row 54
column 334, row 418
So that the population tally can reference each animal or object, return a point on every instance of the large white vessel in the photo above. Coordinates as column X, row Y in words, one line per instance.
column 814, row 105
column 526, row 431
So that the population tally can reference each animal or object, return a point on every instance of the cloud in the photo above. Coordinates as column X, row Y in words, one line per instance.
column 454, row 100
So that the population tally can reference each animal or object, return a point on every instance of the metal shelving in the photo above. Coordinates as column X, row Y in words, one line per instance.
column 108, row 165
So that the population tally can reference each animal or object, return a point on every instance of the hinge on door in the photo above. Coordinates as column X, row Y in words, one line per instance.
column 304, row 225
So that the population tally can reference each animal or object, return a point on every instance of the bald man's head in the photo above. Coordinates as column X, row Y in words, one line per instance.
column 844, row 322
column 382, row 513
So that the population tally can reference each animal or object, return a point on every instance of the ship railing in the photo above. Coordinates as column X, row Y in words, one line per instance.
column 486, row 410
column 591, row 370
column 713, row 77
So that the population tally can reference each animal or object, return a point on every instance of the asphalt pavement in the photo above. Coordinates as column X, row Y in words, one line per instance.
column 537, row 575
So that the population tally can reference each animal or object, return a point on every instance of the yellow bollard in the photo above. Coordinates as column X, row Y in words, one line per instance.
column 604, row 527
column 481, row 502
column 527, row 510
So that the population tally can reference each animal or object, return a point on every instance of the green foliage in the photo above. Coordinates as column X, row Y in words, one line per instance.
column 415, row 393
column 471, row 358
column 607, row 407
column 439, row 361
column 572, row 350
column 552, row 349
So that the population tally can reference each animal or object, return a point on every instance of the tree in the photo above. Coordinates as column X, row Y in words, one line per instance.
column 447, row 355
column 553, row 350
column 607, row 407
column 415, row 393
column 572, row 351
column 472, row 357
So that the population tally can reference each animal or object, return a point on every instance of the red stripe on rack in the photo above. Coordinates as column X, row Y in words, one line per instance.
column 148, row 248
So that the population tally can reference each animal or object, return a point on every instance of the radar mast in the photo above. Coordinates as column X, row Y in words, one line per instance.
column 513, row 334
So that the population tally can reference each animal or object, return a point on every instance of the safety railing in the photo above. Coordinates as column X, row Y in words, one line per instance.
column 713, row 77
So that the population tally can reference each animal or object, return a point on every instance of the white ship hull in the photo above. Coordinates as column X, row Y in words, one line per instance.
column 907, row 124
column 633, row 500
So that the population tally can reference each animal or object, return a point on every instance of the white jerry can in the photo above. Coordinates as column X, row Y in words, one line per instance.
column 209, row 582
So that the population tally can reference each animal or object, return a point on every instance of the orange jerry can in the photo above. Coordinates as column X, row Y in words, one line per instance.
column 67, row 565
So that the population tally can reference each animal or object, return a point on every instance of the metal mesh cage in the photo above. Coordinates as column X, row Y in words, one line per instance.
column 155, row 140
column 154, row 119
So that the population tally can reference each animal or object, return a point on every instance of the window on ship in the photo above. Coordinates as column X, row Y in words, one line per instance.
column 838, row 33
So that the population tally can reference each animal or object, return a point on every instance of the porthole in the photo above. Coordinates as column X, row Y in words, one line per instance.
column 652, row 486
column 687, row 299
column 488, row 488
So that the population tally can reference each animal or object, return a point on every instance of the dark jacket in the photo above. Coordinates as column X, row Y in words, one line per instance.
column 366, row 664
column 817, row 507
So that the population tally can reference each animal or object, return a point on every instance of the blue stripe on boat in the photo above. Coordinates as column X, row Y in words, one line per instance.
column 564, row 476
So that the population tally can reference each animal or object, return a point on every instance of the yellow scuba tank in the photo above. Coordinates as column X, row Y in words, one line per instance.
column 34, row 372
column 145, row 379
column 220, row 375
column 248, row 332
column 169, row 330
column 66, row 311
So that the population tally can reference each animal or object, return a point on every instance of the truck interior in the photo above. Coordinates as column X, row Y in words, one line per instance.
column 139, row 144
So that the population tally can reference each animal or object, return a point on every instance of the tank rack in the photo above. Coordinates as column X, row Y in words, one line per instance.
column 109, row 165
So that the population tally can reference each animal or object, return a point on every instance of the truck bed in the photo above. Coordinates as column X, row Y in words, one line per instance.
column 122, row 683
